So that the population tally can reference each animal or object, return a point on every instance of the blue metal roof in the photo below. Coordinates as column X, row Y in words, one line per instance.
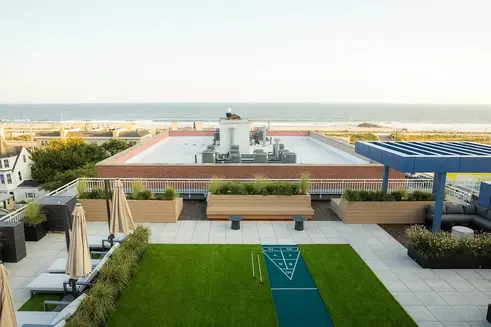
column 413, row 157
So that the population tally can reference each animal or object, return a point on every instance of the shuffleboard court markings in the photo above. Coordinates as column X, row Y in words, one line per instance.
column 285, row 258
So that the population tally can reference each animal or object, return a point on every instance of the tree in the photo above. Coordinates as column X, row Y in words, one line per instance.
column 114, row 146
column 65, row 160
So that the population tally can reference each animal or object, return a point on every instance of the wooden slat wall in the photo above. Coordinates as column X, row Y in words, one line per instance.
column 401, row 212
column 148, row 211
column 259, row 207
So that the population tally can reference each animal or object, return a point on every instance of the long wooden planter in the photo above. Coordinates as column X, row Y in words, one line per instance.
column 259, row 207
column 143, row 211
column 377, row 212
column 463, row 261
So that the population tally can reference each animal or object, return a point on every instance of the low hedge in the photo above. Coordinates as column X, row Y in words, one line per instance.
column 113, row 279
column 442, row 244
column 261, row 186
column 99, row 194
column 399, row 195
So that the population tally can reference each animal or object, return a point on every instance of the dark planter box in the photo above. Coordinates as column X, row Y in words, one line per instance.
column 451, row 262
column 13, row 241
column 34, row 233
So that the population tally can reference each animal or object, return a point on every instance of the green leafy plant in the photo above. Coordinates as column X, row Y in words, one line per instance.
column 258, row 185
column 136, row 189
column 399, row 195
column 443, row 244
column 82, row 187
column 420, row 196
column 304, row 183
column 94, row 194
column 34, row 214
column 215, row 186
column 169, row 194
column 144, row 195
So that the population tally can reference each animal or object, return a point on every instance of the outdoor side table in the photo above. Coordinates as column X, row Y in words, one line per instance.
column 235, row 222
column 299, row 222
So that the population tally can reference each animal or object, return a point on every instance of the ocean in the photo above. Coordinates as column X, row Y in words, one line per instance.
column 412, row 116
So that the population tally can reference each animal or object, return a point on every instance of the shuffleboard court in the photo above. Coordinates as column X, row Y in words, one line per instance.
column 297, row 301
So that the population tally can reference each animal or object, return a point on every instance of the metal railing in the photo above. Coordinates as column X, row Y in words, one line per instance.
column 318, row 186
column 190, row 187
column 18, row 214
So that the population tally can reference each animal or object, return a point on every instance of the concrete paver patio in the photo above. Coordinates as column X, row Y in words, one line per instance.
column 433, row 298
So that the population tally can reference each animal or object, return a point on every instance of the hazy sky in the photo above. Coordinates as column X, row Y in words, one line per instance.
column 436, row 51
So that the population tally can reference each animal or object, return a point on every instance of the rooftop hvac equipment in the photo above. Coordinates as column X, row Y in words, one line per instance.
column 235, row 158
column 258, row 151
column 290, row 157
column 234, row 146
column 282, row 146
column 210, row 147
column 216, row 137
column 260, row 157
column 208, row 156
column 282, row 154
column 276, row 149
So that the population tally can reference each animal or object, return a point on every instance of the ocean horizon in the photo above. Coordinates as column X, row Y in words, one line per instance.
column 412, row 116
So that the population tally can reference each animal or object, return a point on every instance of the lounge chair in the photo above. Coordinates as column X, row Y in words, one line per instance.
column 58, row 283
column 45, row 319
column 59, row 266
column 97, row 242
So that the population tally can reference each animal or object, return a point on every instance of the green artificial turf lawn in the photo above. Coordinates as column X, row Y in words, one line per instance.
column 353, row 295
column 196, row 285
column 36, row 302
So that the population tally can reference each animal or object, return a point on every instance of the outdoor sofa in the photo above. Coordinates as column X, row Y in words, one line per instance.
column 475, row 216
column 45, row 319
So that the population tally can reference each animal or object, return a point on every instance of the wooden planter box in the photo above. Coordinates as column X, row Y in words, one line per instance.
column 143, row 211
column 259, row 207
column 380, row 212
column 449, row 262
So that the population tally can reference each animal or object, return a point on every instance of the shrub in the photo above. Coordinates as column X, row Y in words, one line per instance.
column 215, row 186
column 399, row 195
column 258, row 187
column 136, row 189
column 81, row 187
column 95, row 194
column 432, row 244
column 169, row 194
column 34, row 214
column 113, row 278
column 304, row 183
column 144, row 195
column 420, row 196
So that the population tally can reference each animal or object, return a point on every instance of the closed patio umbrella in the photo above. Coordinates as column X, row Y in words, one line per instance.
column 78, row 264
column 7, row 311
column 121, row 219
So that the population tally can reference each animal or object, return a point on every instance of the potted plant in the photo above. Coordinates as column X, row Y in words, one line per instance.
column 33, row 222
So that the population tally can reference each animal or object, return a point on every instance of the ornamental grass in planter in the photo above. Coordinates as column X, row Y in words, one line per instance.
column 443, row 251
column 33, row 220
column 113, row 279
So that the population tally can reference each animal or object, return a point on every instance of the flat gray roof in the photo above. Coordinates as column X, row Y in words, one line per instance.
column 182, row 150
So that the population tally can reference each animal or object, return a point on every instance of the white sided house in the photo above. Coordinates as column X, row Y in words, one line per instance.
column 15, row 166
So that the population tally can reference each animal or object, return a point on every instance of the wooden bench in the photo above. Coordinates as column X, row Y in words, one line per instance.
column 258, row 207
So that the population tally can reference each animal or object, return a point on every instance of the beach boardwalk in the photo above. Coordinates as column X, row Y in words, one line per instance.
column 297, row 301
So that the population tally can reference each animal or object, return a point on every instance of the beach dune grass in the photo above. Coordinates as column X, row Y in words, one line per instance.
column 352, row 293
column 196, row 285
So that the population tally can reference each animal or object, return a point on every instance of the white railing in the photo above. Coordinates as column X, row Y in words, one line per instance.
column 189, row 187
column 18, row 214
column 318, row 186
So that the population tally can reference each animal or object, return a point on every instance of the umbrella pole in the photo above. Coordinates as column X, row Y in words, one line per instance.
column 107, row 189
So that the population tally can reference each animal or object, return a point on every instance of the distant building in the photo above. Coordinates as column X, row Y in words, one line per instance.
column 28, row 190
column 15, row 166
column 93, row 137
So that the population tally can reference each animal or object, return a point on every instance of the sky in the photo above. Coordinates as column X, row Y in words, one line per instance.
column 403, row 51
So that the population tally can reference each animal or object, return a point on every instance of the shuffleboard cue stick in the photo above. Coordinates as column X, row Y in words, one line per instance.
column 253, row 270
column 259, row 267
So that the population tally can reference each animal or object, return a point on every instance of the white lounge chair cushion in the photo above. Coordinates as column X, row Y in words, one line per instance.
column 59, row 266
column 48, row 282
column 34, row 317
column 69, row 310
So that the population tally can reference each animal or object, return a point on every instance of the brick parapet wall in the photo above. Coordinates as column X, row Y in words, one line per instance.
column 243, row 171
